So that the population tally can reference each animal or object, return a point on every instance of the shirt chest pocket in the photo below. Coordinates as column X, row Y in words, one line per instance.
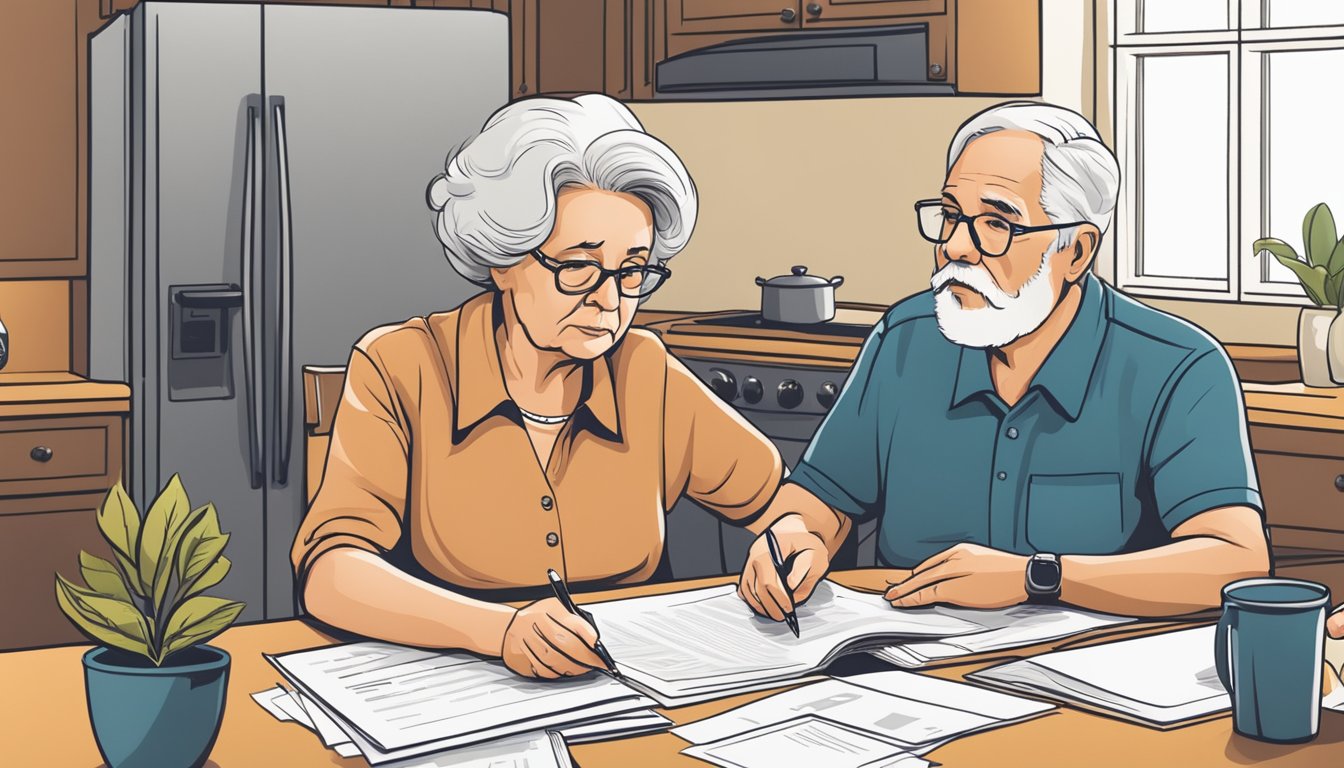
column 1076, row 514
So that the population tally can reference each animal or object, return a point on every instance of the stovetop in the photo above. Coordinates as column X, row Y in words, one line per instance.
column 754, row 321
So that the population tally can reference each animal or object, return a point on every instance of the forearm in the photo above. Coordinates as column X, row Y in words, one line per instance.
column 830, row 525
column 361, row 592
column 1182, row 577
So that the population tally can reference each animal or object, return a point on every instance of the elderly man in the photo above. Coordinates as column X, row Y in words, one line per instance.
column 1023, row 431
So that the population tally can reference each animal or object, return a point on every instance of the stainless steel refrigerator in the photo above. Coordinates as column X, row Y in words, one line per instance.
column 257, row 202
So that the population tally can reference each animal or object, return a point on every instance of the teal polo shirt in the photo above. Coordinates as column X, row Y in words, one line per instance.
column 1133, row 425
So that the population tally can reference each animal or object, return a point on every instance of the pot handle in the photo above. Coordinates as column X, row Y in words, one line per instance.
column 760, row 281
column 837, row 281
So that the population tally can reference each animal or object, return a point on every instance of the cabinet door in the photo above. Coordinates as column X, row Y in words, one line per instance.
column 580, row 46
column 40, row 537
column 708, row 16
column 818, row 12
column 38, row 201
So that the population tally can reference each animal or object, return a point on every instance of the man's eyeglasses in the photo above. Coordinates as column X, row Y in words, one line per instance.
column 575, row 278
column 991, row 233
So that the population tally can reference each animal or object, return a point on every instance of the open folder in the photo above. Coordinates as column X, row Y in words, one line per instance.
column 686, row 647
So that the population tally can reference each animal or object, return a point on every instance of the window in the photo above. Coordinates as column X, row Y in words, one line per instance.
column 1228, row 128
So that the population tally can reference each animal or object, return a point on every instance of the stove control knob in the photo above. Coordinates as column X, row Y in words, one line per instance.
column 723, row 384
column 752, row 390
column 827, row 394
column 790, row 394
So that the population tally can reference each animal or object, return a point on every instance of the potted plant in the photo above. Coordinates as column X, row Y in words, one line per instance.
column 1320, row 334
column 155, row 690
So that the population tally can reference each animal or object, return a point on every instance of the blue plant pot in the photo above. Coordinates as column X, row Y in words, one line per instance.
column 156, row 717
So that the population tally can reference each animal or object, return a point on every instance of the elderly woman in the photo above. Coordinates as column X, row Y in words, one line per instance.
column 529, row 428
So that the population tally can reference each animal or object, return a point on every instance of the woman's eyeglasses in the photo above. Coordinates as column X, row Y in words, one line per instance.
column 574, row 278
column 991, row 233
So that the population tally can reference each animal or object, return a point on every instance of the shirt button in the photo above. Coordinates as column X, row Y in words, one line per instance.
column 546, row 502
column 552, row 539
column 1012, row 433
column 1002, row 475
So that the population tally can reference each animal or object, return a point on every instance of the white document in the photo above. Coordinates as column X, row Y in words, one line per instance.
column 1164, row 678
column 1000, row 629
column 915, row 712
column 397, row 697
column 707, row 642
column 542, row 749
column 267, row 699
column 809, row 741
column 615, row 727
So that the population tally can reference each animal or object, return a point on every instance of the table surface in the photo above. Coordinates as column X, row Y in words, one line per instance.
column 44, row 721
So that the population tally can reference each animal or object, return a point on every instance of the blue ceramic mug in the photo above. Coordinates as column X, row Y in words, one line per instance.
column 1269, row 649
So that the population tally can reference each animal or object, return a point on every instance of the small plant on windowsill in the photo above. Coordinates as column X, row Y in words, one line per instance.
column 1320, row 332
column 155, row 690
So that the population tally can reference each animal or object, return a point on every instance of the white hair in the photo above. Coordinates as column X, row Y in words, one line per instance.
column 1080, row 178
column 496, row 198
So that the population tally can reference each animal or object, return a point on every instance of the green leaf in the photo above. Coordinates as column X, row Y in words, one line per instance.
column 103, row 577
column 104, row 619
column 209, row 578
column 1318, row 234
column 168, row 517
column 197, row 620
column 201, row 543
column 1336, row 263
column 119, row 521
column 1312, row 278
column 1333, row 284
column 1274, row 246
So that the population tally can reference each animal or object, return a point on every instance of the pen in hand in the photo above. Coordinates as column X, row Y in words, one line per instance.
column 562, row 594
column 790, row 616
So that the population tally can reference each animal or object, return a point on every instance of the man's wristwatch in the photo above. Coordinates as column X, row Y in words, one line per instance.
column 1044, row 578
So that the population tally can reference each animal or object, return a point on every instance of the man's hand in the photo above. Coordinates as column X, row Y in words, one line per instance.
column 1334, row 625
column 760, row 586
column 545, row 640
column 967, row 575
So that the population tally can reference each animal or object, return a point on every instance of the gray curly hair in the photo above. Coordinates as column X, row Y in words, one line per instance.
column 495, row 201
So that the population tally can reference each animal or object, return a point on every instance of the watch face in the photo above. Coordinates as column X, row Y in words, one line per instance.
column 1044, row 574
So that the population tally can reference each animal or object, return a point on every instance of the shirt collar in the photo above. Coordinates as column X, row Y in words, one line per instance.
column 1067, row 371
column 479, row 378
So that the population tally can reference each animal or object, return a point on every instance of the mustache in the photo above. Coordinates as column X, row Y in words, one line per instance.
column 975, row 278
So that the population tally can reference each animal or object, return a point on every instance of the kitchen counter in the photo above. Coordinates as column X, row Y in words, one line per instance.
column 57, row 393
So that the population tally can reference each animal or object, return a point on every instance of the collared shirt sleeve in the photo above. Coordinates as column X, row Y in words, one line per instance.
column 715, row 456
column 843, row 464
column 361, row 500
column 1199, row 456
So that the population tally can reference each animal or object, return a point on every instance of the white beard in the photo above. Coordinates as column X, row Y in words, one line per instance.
column 1004, row 318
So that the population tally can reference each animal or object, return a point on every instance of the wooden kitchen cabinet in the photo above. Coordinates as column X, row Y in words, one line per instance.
column 819, row 12
column 61, row 445
column 1301, row 475
column 579, row 46
column 692, row 17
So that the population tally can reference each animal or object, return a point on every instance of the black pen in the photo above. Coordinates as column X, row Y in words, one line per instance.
column 562, row 594
column 791, row 617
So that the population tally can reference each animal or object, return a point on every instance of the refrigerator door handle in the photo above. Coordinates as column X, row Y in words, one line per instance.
column 284, row 326
column 252, row 371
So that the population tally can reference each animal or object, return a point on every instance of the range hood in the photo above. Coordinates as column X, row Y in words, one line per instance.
column 882, row 61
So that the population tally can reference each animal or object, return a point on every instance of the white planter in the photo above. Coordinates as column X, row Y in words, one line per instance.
column 1313, row 345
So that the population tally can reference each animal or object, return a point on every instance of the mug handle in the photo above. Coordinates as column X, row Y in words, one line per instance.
column 1221, row 657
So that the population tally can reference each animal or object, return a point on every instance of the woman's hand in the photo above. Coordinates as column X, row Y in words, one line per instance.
column 1335, row 624
column 545, row 640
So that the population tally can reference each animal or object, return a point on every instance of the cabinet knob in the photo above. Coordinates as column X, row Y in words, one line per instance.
column 787, row 15
column 522, row 88
column 936, row 70
column 1339, row 482
column 40, row 453
column 814, row 9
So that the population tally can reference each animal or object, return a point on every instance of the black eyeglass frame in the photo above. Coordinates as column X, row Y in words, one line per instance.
column 556, row 267
column 1013, row 229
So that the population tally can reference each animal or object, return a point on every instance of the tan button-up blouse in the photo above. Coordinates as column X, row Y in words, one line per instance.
column 428, row 455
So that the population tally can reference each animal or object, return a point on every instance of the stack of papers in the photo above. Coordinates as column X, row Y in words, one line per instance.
column 915, row 713
column 811, row 741
column 1015, row 627
column 1161, row 679
column 394, row 703
column 704, row 644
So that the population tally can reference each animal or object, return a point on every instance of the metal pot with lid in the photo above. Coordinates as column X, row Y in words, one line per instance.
column 798, row 297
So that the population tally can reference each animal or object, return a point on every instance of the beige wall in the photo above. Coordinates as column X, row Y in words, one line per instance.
column 830, row 184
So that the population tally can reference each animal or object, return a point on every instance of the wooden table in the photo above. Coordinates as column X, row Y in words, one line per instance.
column 44, row 722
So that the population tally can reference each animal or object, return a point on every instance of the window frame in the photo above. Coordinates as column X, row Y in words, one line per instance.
column 1246, row 43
